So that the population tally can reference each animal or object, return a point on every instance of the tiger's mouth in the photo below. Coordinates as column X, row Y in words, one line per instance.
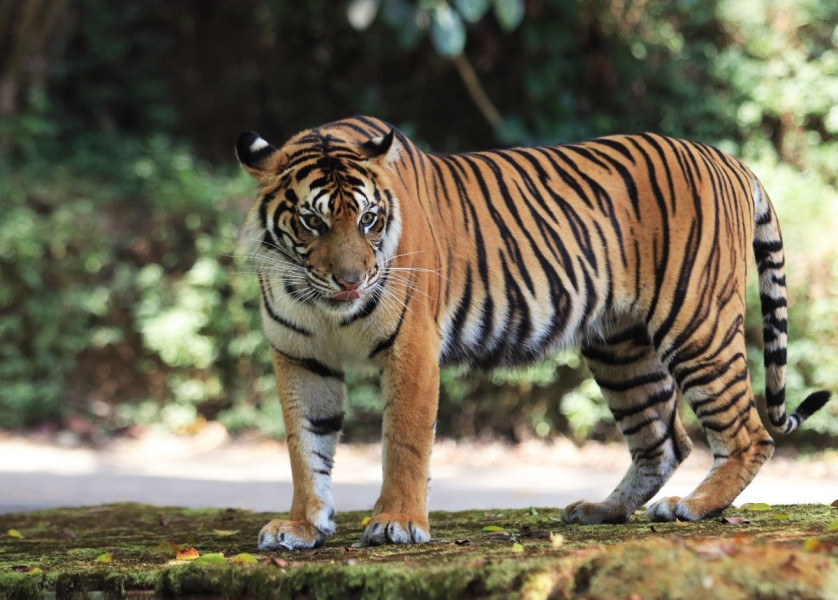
column 346, row 295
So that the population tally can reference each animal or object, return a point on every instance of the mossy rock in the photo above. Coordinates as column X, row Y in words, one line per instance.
column 129, row 551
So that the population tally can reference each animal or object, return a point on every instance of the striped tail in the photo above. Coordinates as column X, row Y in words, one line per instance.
column 768, row 250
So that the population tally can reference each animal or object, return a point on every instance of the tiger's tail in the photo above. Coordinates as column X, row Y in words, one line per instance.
column 768, row 251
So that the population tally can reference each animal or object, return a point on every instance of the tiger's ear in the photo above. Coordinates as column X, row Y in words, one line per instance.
column 383, row 149
column 258, row 156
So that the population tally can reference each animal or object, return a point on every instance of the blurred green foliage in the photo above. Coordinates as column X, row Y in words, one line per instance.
column 122, row 297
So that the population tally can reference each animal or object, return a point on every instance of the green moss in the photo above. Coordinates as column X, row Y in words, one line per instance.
column 785, row 551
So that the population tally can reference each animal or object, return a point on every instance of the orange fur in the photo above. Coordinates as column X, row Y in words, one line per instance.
column 371, row 252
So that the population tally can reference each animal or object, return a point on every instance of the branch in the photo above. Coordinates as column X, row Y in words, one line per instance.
column 476, row 91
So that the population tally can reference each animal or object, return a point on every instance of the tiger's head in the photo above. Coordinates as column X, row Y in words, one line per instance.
column 326, row 222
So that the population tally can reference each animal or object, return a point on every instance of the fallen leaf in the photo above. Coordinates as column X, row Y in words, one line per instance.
column 225, row 532
column 277, row 562
column 781, row 517
column 187, row 554
column 243, row 559
column 365, row 521
column 813, row 545
column 493, row 528
column 15, row 534
column 107, row 557
column 755, row 506
column 517, row 547
column 833, row 526
column 213, row 558
column 735, row 520
column 556, row 540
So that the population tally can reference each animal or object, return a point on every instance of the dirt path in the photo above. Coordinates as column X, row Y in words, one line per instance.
column 210, row 470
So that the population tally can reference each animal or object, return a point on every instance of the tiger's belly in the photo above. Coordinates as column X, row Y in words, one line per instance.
column 512, row 332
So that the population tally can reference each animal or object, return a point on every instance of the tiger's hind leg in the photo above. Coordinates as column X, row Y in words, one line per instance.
column 716, row 385
column 642, row 396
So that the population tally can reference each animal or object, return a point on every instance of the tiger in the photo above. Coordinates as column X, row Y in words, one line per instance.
column 373, row 254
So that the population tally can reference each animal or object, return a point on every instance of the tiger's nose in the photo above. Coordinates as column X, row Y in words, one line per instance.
column 349, row 281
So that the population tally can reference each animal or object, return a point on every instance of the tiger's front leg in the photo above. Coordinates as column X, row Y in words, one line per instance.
column 312, row 398
column 411, row 384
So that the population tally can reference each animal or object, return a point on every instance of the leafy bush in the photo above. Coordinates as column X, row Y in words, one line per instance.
column 121, row 296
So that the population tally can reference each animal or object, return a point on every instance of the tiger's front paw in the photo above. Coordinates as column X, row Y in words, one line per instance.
column 590, row 513
column 280, row 534
column 396, row 529
column 683, row 509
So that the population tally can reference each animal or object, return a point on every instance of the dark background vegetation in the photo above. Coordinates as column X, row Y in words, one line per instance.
column 122, row 299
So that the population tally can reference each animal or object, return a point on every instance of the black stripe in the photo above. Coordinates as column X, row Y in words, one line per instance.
column 775, row 357
column 325, row 425
column 275, row 316
column 769, row 304
column 623, row 386
column 638, row 426
column 311, row 365
column 387, row 342
column 656, row 398
column 762, row 247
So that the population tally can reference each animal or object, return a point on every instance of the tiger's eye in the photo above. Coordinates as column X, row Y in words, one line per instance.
column 311, row 221
column 368, row 219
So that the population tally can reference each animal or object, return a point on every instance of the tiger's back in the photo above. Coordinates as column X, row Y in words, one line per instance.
column 562, row 241
column 633, row 247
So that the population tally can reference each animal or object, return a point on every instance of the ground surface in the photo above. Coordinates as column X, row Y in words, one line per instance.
column 210, row 470
column 130, row 550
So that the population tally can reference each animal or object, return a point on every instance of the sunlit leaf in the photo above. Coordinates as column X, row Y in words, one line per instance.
column 493, row 528
column 225, row 532
column 187, row 554
column 213, row 558
column 509, row 13
column 448, row 34
column 15, row 534
column 361, row 13
column 755, row 506
column 781, row 517
column 243, row 559
column 472, row 10
column 365, row 521
column 107, row 557
column 556, row 540
column 516, row 547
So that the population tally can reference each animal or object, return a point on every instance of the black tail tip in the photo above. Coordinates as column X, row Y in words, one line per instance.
column 813, row 403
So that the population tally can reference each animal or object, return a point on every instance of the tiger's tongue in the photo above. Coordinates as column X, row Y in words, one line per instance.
column 347, row 295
